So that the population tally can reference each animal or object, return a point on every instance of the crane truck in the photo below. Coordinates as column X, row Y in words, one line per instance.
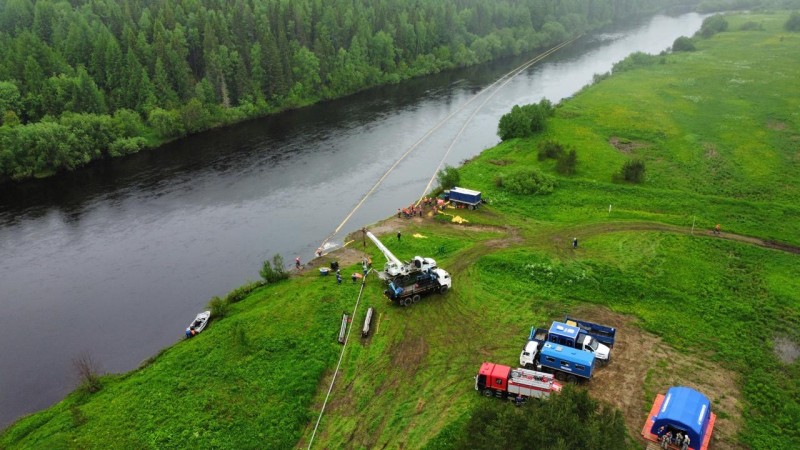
column 408, row 282
column 394, row 268
column 431, row 280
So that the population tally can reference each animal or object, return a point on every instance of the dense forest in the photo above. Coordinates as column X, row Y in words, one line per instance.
column 86, row 79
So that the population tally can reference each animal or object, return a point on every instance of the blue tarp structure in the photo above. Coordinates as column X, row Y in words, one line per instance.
column 684, row 409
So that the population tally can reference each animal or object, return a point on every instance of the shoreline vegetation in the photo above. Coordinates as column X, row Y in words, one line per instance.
column 716, row 130
column 88, row 80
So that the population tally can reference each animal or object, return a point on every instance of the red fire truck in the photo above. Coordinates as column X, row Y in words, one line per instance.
column 497, row 380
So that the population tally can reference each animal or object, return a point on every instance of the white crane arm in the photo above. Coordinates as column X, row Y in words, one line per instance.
column 393, row 266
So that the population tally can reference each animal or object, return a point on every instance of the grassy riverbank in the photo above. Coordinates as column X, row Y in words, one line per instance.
column 719, row 132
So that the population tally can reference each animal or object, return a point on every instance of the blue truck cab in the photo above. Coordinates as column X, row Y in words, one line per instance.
column 573, row 336
column 561, row 333
column 567, row 363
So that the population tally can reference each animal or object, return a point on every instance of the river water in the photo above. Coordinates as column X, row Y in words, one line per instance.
column 116, row 259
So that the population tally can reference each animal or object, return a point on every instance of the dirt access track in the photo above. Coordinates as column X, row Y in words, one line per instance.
column 642, row 365
column 393, row 225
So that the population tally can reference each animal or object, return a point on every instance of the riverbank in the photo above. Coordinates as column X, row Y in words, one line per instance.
column 210, row 208
column 255, row 378
column 163, row 85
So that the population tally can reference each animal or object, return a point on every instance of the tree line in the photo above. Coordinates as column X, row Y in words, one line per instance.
column 86, row 79
column 571, row 419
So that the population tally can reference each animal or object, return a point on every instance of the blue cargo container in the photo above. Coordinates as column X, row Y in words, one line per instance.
column 567, row 363
column 466, row 197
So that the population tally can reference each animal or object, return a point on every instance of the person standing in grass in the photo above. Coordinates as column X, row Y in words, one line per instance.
column 574, row 242
column 398, row 236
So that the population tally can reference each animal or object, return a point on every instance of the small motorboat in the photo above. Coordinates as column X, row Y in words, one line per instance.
column 198, row 324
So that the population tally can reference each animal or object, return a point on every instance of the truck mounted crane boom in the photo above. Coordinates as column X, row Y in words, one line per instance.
column 394, row 266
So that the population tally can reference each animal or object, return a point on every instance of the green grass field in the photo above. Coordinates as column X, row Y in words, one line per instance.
column 719, row 131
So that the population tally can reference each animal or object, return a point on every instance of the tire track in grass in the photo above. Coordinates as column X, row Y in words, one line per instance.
column 457, row 309
column 582, row 231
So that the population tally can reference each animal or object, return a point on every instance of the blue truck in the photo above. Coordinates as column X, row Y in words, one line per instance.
column 466, row 197
column 562, row 334
column 412, row 290
column 603, row 334
column 573, row 336
column 566, row 363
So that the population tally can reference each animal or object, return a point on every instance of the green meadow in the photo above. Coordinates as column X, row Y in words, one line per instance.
column 719, row 132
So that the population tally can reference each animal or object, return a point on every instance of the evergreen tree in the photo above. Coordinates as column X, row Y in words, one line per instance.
column 138, row 92
column 258, row 75
column 165, row 95
column 88, row 98
column 17, row 16
column 44, row 20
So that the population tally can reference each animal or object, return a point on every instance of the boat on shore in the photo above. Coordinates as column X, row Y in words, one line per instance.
column 198, row 324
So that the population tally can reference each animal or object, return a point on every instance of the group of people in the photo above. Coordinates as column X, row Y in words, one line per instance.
column 412, row 210
column 409, row 211
column 678, row 439
column 366, row 265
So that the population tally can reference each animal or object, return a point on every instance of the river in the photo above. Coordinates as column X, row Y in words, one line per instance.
column 115, row 260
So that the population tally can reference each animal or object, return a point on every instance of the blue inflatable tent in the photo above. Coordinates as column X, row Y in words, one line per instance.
column 683, row 409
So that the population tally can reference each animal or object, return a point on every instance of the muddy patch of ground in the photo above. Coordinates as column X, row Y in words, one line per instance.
column 711, row 150
column 408, row 354
column 346, row 256
column 394, row 224
column 776, row 125
column 642, row 365
column 626, row 146
column 391, row 225
column 500, row 162
column 786, row 349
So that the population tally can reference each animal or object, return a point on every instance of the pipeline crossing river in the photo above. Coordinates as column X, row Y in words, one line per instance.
column 115, row 260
